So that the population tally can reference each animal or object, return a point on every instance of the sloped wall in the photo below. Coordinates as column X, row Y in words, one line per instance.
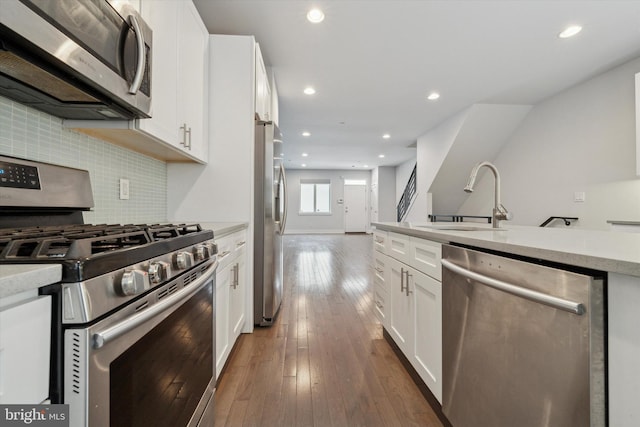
column 580, row 140
column 482, row 135
column 447, row 153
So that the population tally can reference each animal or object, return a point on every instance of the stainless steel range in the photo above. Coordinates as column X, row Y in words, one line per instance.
column 134, row 325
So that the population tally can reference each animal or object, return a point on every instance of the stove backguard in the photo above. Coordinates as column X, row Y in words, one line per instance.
column 36, row 193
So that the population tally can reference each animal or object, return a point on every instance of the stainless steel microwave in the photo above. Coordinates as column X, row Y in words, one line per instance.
column 76, row 59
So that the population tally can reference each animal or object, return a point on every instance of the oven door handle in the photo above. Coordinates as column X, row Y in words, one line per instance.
column 105, row 336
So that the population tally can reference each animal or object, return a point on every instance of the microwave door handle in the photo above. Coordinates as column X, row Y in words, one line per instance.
column 103, row 337
column 142, row 58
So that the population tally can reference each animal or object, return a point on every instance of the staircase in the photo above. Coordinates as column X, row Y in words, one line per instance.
column 407, row 196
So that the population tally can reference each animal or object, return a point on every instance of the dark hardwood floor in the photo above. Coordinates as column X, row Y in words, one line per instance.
column 324, row 362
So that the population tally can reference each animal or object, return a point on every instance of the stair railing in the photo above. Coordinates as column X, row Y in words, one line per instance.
column 407, row 196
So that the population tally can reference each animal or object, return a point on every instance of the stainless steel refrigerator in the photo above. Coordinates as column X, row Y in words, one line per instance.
column 270, row 207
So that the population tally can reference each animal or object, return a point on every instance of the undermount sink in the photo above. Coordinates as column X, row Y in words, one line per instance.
column 453, row 227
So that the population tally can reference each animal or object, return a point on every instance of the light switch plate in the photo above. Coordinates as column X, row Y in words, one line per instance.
column 578, row 196
column 124, row 189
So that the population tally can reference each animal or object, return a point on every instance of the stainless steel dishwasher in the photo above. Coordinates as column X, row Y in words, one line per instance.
column 523, row 343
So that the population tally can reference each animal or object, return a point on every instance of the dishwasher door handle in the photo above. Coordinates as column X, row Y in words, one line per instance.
column 531, row 295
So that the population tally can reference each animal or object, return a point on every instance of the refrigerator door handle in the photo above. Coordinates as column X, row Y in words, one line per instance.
column 283, row 222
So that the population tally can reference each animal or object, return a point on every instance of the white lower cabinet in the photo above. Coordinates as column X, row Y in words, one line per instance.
column 413, row 312
column 381, row 288
column 401, row 324
column 427, row 325
column 25, row 337
column 231, row 284
column 223, row 343
column 237, row 292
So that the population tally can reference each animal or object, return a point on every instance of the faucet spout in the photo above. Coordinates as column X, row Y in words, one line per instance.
column 499, row 212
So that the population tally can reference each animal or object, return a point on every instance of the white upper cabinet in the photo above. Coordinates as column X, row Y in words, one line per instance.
column 263, row 89
column 177, row 130
column 161, row 16
column 193, row 54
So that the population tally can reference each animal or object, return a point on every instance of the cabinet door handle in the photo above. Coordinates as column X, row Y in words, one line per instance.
column 186, row 136
column 401, row 279
column 407, row 285
column 236, row 273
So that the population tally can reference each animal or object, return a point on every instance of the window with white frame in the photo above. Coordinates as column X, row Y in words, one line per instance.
column 315, row 196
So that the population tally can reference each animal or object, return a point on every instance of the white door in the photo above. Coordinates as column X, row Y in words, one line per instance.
column 355, row 208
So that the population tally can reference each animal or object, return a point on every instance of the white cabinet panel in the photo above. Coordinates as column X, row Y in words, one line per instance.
column 427, row 357
column 25, row 338
column 425, row 256
column 223, row 342
column 380, row 239
column 263, row 90
column 398, row 247
column 402, row 308
column 193, row 60
column 231, row 288
column 381, row 309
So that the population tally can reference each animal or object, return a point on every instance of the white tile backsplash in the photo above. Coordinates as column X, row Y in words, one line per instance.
column 33, row 135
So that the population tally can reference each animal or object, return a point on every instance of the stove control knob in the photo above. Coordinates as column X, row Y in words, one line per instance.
column 183, row 260
column 134, row 282
column 159, row 271
column 204, row 251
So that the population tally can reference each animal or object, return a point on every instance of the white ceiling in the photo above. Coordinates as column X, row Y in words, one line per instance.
column 374, row 62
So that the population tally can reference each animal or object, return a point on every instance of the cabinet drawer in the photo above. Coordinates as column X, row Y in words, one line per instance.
column 380, row 241
column 425, row 256
column 380, row 300
column 226, row 248
column 380, row 265
column 398, row 247
column 239, row 242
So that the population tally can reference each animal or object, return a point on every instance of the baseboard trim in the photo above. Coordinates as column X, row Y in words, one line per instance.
column 431, row 399
column 312, row 231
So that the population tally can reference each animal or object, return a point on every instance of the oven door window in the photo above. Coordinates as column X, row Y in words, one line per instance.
column 161, row 378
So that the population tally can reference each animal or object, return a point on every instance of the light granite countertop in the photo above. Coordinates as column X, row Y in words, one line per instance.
column 17, row 278
column 223, row 228
column 617, row 252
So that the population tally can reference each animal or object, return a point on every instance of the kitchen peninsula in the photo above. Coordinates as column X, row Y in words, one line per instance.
column 615, row 253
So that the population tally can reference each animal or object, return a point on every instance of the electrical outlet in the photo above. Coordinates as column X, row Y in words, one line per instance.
column 124, row 189
column 578, row 196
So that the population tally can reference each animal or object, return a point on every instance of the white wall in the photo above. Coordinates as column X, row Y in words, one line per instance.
column 387, row 193
column 580, row 140
column 333, row 223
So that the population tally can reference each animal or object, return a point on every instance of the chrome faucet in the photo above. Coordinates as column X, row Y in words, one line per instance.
column 499, row 212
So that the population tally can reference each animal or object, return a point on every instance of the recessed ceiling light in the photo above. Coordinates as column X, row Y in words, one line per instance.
column 305, row 154
column 365, row 166
column 386, row 136
column 381, row 156
column 315, row 16
column 306, row 133
column 304, row 165
column 433, row 96
column 309, row 90
column 570, row 31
